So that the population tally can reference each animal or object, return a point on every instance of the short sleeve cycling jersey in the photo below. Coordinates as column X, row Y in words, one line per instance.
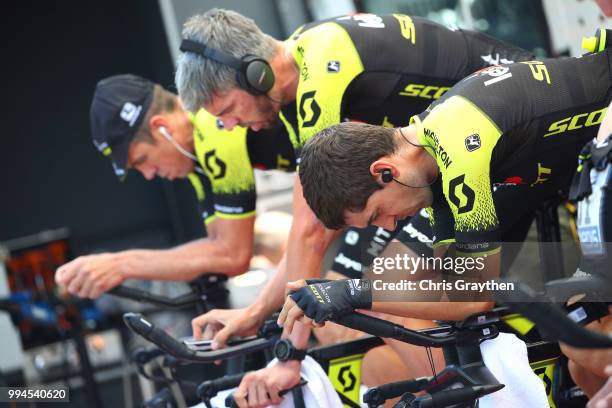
column 229, row 157
column 382, row 69
column 203, row 192
column 516, row 127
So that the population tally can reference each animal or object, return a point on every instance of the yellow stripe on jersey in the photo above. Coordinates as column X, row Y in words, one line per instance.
column 295, row 141
column 197, row 186
column 241, row 216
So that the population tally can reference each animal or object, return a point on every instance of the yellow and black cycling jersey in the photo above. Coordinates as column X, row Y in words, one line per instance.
column 228, row 159
column 505, row 139
column 382, row 69
column 203, row 192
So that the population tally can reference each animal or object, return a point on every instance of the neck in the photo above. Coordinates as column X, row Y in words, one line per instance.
column 416, row 156
column 286, row 75
column 185, row 133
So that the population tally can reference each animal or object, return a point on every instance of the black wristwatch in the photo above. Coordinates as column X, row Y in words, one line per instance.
column 284, row 350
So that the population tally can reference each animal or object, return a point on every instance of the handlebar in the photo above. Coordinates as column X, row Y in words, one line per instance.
column 137, row 323
column 139, row 295
column 595, row 287
column 208, row 389
column 439, row 337
column 448, row 398
column 379, row 395
column 142, row 356
column 550, row 319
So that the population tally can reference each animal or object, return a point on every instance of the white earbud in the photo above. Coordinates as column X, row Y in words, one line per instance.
column 178, row 147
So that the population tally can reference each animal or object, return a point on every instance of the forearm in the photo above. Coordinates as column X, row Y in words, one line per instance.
column 272, row 296
column 306, row 249
column 306, row 264
column 308, row 240
column 182, row 263
column 300, row 335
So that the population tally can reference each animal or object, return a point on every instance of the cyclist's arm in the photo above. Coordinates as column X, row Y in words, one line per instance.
column 308, row 241
column 446, row 310
column 227, row 251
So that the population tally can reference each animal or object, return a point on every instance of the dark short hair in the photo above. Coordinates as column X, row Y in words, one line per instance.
column 163, row 102
column 335, row 168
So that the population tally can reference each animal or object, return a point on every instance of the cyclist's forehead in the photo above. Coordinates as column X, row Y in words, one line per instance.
column 223, row 103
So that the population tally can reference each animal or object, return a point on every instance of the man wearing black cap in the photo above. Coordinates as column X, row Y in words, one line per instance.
column 139, row 125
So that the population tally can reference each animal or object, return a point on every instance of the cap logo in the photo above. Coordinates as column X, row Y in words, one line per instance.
column 130, row 113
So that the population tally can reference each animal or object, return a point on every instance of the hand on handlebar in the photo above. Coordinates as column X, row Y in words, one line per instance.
column 92, row 275
column 221, row 324
column 262, row 387
column 314, row 302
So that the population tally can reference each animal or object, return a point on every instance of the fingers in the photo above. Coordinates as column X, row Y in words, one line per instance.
column 98, row 289
column 65, row 273
column 294, row 314
column 260, row 393
column 273, row 394
column 77, row 282
column 86, row 289
column 289, row 303
column 241, row 393
column 257, row 390
column 197, row 324
column 222, row 336
column 210, row 330
column 292, row 286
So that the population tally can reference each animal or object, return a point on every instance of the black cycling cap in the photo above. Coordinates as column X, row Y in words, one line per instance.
column 119, row 105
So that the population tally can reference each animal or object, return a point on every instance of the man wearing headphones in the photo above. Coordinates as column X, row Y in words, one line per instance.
column 377, row 69
column 139, row 125
column 488, row 152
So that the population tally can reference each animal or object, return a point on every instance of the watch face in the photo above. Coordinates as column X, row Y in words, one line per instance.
column 281, row 350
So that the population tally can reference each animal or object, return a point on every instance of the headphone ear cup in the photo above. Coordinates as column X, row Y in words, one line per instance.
column 386, row 175
column 256, row 76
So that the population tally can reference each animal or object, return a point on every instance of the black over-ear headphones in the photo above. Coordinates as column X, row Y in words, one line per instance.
column 253, row 74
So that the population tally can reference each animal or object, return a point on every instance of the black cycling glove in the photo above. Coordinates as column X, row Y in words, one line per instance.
column 327, row 300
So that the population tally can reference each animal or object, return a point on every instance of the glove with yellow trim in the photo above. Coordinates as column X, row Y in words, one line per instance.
column 323, row 300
